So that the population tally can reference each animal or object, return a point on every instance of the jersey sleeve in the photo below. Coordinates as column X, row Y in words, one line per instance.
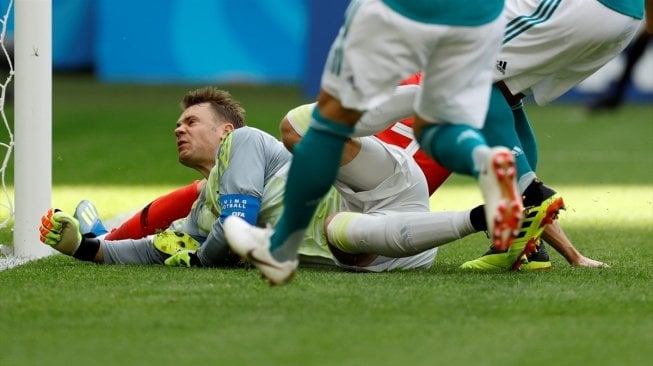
column 300, row 117
column 240, row 165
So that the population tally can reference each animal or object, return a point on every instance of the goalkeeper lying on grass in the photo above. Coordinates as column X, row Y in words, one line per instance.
column 245, row 170
column 250, row 174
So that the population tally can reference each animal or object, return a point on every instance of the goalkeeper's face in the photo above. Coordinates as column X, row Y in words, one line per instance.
column 199, row 134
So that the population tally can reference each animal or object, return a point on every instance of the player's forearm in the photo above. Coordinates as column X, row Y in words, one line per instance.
column 214, row 251
column 555, row 237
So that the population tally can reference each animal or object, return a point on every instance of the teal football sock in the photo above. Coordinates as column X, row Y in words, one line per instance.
column 452, row 145
column 526, row 135
column 315, row 164
column 499, row 130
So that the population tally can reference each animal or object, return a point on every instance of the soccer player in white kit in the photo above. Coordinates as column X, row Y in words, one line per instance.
column 381, row 43
column 548, row 47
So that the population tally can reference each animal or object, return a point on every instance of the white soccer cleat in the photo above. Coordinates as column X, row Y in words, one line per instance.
column 503, row 205
column 253, row 244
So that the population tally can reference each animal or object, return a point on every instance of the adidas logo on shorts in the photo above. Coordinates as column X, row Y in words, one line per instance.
column 501, row 66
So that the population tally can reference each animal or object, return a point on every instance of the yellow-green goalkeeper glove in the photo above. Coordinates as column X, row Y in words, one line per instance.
column 60, row 231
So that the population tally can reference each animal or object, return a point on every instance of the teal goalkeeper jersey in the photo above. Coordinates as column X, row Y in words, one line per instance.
column 448, row 12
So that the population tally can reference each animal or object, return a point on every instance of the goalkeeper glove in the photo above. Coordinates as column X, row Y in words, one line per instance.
column 61, row 231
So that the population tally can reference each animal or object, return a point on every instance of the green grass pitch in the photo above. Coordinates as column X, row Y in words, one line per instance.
column 114, row 144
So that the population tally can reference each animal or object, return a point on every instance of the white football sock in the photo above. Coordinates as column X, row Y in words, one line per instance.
column 397, row 234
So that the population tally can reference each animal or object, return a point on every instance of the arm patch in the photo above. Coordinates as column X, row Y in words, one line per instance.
column 241, row 205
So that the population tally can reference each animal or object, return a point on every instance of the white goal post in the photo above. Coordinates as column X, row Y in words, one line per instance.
column 32, row 123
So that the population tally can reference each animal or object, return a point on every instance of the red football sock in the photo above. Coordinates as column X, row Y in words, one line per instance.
column 158, row 214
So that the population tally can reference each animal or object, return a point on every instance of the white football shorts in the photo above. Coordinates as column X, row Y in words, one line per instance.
column 377, row 48
column 550, row 45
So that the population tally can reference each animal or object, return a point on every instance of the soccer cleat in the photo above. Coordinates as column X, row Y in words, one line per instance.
column 60, row 231
column 503, row 205
column 172, row 242
column 491, row 260
column 528, row 239
column 183, row 258
column 89, row 219
column 537, row 261
column 535, row 220
column 253, row 244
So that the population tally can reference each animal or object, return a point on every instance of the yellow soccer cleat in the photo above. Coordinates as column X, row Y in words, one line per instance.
column 183, row 258
column 535, row 220
column 537, row 261
column 171, row 242
column 527, row 241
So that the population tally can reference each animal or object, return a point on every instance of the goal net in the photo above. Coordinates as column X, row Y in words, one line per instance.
column 7, row 144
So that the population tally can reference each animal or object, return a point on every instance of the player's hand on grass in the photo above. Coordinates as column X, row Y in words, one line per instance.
column 589, row 262
column 61, row 231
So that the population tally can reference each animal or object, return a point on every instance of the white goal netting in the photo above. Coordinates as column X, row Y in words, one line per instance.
column 7, row 144
column 7, row 141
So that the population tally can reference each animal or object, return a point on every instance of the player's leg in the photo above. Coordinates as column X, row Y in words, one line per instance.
column 400, row 234
column 526, row 135
column 500, row 130
column 308, row 180
column 386, row 198
column 346, row 90
column 158, row 214
column 420, row 261
column 153, row 249
column 539, row 201
column 450, row 113
column 615, row 95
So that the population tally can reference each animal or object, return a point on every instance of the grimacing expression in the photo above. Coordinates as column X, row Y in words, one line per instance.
column 199, row 133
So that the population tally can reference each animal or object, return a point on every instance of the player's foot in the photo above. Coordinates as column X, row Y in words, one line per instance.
column 537, row 261
column 503, row 206
column 491, row 260
column 89, row 219
column 543, row 205
column 171, row 242
column 253, row 244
